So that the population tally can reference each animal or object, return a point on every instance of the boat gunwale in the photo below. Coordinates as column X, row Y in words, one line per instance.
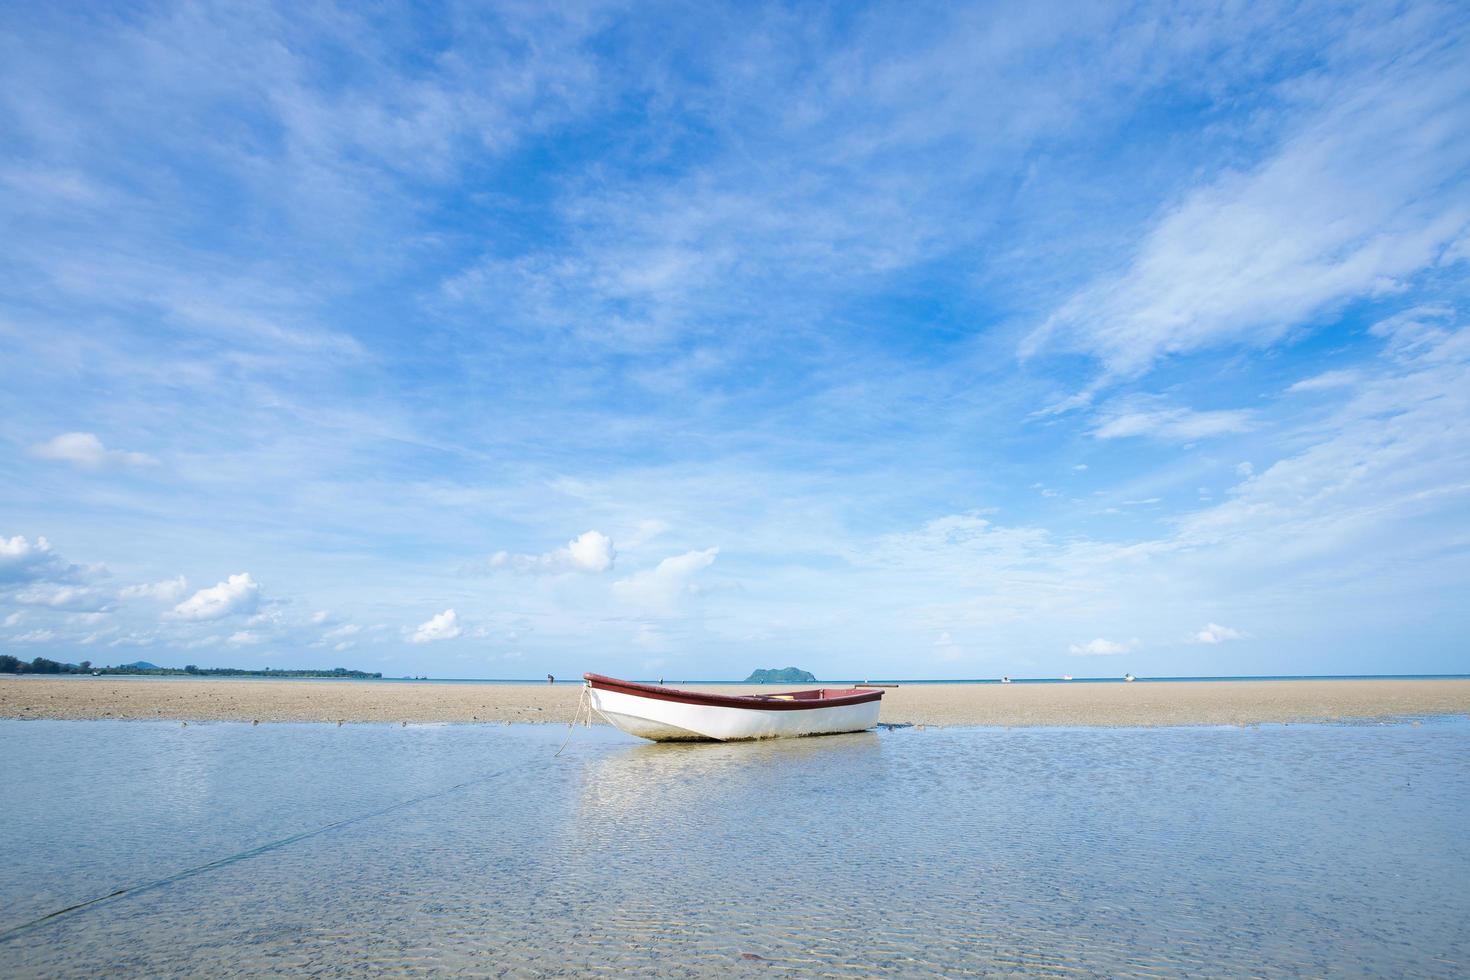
column 747, row 702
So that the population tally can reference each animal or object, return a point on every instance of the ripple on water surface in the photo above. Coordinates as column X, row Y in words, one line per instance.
column 1291, row 850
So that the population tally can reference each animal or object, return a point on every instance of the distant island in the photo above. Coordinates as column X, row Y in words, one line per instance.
column 40, row 665
column 787, row 675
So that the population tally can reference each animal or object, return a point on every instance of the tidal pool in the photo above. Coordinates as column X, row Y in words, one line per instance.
column 1283, row 850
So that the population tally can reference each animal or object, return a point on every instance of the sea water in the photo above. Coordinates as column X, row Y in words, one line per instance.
column 230, row 848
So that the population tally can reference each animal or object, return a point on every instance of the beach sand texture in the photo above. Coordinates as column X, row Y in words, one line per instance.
column 1140, row 704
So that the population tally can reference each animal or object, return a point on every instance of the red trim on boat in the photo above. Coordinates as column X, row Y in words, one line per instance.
column 822, row 697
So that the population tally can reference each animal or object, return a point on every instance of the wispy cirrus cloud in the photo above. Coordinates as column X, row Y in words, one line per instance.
column 1156, row 419
column 1368, row 190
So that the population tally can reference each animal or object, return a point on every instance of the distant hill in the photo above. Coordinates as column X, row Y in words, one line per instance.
column 41, row 665
column 787, row 675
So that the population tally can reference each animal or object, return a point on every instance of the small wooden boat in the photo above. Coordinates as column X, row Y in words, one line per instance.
column 663, row 714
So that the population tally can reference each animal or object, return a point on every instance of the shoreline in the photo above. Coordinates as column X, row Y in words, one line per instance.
column 1144, row 704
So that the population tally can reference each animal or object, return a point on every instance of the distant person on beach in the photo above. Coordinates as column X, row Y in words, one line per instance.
column 550, row 679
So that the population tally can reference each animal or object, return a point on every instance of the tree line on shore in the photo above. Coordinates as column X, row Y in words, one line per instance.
column 41, row 665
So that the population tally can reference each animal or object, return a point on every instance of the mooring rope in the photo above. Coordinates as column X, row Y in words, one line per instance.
column 13, row 931
column 575, row 715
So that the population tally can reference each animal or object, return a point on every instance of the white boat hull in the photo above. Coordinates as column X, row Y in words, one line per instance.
column 674, row 721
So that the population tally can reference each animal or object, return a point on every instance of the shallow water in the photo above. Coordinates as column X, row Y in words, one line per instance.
column 1276, row 850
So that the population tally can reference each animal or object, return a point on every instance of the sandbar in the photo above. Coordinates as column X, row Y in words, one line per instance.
column 1145, row 703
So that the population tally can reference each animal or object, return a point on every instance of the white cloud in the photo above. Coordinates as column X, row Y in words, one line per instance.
column 1365, row 192
column 238, row 594
column 70, row 597
column 590, row 551
column 342, row 632
column 444, row 626
column 1418, row 330
column 1101, row 648
column 34, row 636
column 1147, row 417
column 1327, row 380
column 644, row 532
column 1244, row 468
column 14, row 618
column 243, row 638
column 1215, row 633
column 661, row 587
column 169, row 590
column 84, row 449
column 22, row 560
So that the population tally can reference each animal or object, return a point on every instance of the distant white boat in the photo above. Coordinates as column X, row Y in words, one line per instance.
column 1129, row 677
column 663, row 714
column 1066, row 677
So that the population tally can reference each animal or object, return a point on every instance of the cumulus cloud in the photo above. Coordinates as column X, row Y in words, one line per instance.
column 169, row 590
column 85, row 450
column 1100, row 648
column 237, row 594
column 1215, row 633
column 444, row 626
column 590, row 551
column 661, row 587
column 243, row 638
column 23, row 560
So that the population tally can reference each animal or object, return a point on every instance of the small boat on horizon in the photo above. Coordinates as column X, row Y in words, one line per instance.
column 662, row 714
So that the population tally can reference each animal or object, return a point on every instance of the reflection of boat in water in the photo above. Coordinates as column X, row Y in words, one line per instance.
column 665, row 715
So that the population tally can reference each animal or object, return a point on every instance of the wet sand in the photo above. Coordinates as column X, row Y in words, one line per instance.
column 1020, row 705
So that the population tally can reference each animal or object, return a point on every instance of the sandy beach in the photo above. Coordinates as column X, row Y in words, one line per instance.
column 1018, row 705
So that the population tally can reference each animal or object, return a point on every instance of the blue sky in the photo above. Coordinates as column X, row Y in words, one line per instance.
column 676, row 339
